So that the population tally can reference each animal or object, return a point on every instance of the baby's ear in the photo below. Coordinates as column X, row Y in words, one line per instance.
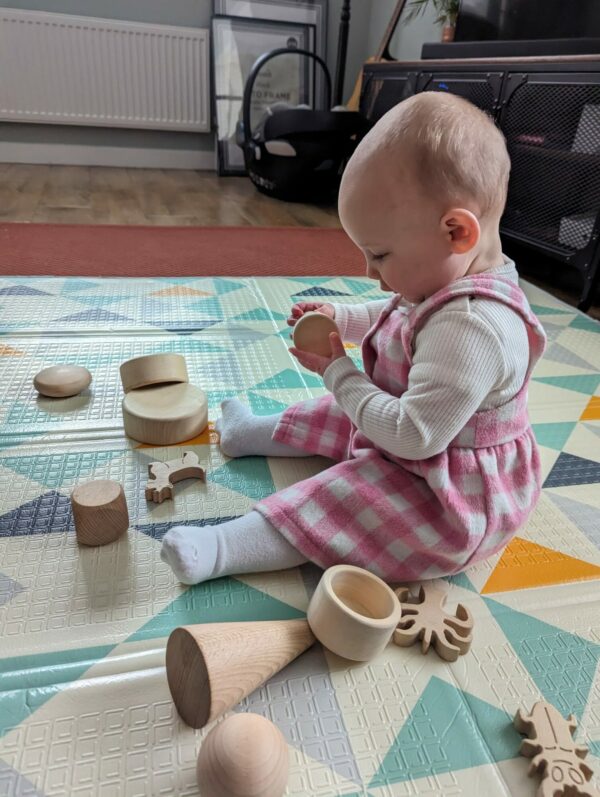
column 461, row 229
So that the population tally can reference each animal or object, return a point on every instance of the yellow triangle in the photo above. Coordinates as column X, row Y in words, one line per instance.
column 209, row 437
column 8, row 351
column 526, row 564
column 592, row 411
column 180, row 290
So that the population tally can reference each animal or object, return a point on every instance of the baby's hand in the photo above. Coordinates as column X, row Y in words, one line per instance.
column 316, row 363
column 300, row 308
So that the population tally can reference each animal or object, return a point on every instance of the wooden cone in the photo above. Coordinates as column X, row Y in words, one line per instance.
column 211, row 667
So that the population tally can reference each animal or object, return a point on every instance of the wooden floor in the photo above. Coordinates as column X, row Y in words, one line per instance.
column 100, row 195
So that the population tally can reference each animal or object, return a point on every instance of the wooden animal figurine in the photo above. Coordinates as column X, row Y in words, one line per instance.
column 160, row 407
column 425, row 618
column 164, row 474
column 61, row 381
column 99, row 511
column 243, row 756
column 353, row 612
column 553, row 752
column 311, row 333
column 211, row 667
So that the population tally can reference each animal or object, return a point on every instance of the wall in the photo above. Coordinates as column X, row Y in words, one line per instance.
column 69, row 144
column 409, row 37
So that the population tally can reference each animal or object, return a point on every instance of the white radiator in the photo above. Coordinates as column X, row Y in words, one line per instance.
column 58, row 68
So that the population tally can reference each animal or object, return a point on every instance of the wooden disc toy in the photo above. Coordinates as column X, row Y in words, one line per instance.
column 212, row 666
column 165, row 415
column 353, row 612
column 243, row 756
column 164, row 474
column 153, row 369
column 311, row 333
column 426, row 619
column 60, row 381
column 99, row 511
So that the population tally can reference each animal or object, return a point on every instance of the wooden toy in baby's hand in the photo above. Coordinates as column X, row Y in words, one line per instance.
column 311, row 333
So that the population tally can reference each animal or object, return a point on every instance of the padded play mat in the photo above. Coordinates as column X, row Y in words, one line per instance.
column 85, row 709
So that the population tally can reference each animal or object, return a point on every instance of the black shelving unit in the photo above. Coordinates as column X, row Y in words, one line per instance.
column 549, row 111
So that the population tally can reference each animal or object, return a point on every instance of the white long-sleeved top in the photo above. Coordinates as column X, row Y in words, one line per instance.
column 470, row 354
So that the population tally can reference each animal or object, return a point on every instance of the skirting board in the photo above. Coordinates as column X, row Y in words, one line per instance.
column 81, row 155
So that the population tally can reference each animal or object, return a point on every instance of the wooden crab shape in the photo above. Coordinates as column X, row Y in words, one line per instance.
column 553, row 752
column 165, row 474
column 425, row 618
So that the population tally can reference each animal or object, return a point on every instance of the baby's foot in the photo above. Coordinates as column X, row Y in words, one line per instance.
column 191, row 551
column 234, row 428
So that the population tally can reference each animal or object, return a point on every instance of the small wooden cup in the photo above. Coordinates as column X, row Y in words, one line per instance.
column 353, row 612
column 99, row 511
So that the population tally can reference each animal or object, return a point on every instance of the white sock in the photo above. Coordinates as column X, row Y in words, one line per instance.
column 248, row 544
column 244, row 434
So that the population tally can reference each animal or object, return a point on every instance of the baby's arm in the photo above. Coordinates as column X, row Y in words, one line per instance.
column 457, row 361
column 355, row 320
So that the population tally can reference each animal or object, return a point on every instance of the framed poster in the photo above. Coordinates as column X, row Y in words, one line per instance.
column 237, row 43
column 307, row 12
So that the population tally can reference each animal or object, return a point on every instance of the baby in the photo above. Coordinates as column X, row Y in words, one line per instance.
column 437, row 466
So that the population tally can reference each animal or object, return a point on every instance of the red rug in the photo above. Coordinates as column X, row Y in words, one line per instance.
column 115, row 251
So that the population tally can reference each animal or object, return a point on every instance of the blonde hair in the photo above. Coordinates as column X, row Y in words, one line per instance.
column 454, row 149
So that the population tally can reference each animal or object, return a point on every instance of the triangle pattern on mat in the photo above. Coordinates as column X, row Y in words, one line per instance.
column 580, row 383
column 8, row 351
column 584, row 517
column 318, row 291
column 96, row 315
column 260, row 314
column 447, row 730
column 553, row 435
column 178, row 290
column 263, row 405
column 9, row 588
column 249, row 476
column 561, row 664
column 288, row 378
column 525, row 564
column 306, row 683
column 559, row 354
column 585, row 323
column 540, row 309
column 13, row 784
column 592, row 411
column 50, row 512
column 22, row 290
column 226, row 285
column 569, row 470
column 158, row 530
column 223, row 600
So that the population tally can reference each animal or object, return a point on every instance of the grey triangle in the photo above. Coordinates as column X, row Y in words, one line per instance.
column 13, row 784
column 8, row 589
column 559, row 354
column 583, row 516
column 301, row 700
column 592, row 428
column 552, row 330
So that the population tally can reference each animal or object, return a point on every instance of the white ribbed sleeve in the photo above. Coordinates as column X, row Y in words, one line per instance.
column 355, row 320
column 469, row 355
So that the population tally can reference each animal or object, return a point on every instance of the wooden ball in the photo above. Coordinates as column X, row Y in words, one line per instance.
column 243, row 756
column 60, row 381
column 311, row 333
column 99, row 511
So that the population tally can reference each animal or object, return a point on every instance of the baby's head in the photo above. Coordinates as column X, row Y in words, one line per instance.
column 423, row 194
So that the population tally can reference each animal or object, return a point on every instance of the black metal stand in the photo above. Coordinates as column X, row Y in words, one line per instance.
column 340, row 69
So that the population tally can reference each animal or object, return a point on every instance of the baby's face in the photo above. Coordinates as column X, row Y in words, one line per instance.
column 398, row 228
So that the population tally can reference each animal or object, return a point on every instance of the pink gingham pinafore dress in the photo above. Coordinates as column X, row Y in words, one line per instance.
column 405, row 519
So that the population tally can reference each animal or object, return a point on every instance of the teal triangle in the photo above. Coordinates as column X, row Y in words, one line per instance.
column 289, row 378
column 249, row 476
column 561, row 664
column 224, row 600
column 263, row 405
column 260, row 314
column 585, row 322
column 540, row 309
column 447, row 730
column 72, row 285
column 358, row 286
column 311, row 280
column 215, row 397
column 595, row 748
column 210, row 307
column 461, row 580
column 55, row 469
column 553, row 435
column 225, row 285
column 581, row 383
column 26, row 682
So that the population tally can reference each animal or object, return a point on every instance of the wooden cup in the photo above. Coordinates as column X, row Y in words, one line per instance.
column 99, row 511
column 353, row 612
